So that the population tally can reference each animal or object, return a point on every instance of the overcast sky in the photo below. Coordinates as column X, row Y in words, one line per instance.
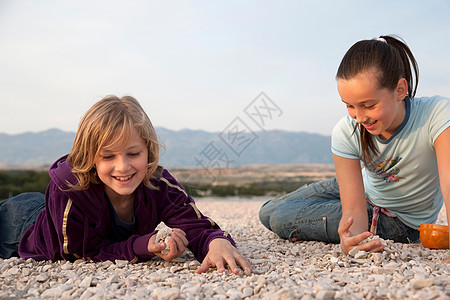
column 199, row 64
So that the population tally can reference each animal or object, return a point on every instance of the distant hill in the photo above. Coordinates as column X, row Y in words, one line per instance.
column 184, row 148
column 34, row 149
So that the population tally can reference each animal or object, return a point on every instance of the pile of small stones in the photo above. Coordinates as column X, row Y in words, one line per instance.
column 163, row 235
column 281, row 270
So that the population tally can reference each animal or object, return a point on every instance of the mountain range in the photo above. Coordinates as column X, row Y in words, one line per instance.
column 183, row 148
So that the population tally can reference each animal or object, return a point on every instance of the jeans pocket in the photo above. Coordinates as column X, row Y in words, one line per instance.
column 314, row 230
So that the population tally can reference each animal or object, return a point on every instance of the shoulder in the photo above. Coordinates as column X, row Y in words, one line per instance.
column 431, row 114
column 345, row 140
column 345, row 122
column 431, row 103
column 61, row 173
column 433, row 109
column 345, row 127
column 165, row 181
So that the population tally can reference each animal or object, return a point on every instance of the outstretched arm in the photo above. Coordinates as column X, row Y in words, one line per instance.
column 442, row 146
column 354, row 221
column 210, row 245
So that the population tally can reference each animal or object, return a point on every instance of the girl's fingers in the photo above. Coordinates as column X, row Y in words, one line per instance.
column 231, row 263
column 176, row 247
column 177, row 244
column 204, row 267
column 230, row 259
column 180, row 243
column 373, row 246
column 244, row 263
column 345, row 227
column 154, row 247
column 348, row 242
column 180, row 237
column 220, row 266
column 178, row 231
column 173, row 247
column 355, row 240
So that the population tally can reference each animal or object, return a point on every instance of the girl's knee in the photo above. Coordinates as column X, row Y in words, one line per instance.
column 280, row 220
column 273, row 214
column 264, row 214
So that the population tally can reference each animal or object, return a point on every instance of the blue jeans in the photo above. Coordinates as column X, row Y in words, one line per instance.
column 313, row 212
column 17, row 214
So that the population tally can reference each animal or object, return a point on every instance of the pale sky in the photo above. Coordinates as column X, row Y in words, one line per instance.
column 199, row 64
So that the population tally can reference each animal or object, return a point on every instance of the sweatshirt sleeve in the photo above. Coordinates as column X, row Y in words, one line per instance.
column 178, row 210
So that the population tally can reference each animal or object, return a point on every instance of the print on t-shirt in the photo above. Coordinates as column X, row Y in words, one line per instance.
column 388, row 170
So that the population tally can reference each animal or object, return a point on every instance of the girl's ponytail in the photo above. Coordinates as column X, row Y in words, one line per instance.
column 411, row 69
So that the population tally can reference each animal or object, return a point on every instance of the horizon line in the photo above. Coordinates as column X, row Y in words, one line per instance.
column 156, row 128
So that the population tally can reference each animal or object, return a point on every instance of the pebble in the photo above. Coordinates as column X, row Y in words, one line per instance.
column 325, row 295
column 66, row 266
column 247, row 292
column 353, row 251
column 282, row 270
column 86, row 282
column 361, row 255
column 14, row 271
column 166, row 294
column 419, row 283
column 41, row 277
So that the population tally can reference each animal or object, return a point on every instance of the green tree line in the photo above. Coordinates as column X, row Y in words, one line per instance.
column 262, row 188
column 15, row 182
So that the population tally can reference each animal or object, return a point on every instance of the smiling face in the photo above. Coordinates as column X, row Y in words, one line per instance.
column 380, row 110
column 122, row 170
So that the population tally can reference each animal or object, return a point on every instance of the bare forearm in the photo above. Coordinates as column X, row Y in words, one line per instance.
column 442, row 145
column 360, row 220
column 351, row 189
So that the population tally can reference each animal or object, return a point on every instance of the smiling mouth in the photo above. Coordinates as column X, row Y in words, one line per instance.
column 123, row 178
column 368, row 125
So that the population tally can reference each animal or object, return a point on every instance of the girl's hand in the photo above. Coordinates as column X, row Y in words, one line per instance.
column 448, row 259
column 177, row 244
column 348, row 242
column 222, row 252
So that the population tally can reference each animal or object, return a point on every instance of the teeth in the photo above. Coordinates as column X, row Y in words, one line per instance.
column 124, row 178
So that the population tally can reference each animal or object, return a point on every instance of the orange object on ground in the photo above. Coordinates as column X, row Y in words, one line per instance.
column 434, row 236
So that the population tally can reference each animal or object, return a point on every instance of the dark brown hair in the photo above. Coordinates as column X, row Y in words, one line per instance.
column 393, row 60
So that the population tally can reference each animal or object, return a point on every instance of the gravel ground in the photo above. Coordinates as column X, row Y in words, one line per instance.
column 282, row 270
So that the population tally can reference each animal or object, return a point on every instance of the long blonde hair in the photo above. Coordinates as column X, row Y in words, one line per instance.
column 109, row 122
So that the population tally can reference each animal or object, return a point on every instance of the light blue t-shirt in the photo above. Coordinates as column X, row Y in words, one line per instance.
column 405, row 178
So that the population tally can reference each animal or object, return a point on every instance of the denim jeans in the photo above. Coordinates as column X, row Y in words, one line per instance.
column 17, row 214
column 313, row 212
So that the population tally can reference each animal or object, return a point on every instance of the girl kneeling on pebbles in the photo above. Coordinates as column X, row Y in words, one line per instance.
column 106, row 198
column 404, row 144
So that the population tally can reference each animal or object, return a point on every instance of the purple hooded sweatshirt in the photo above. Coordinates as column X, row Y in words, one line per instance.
column 77, row 224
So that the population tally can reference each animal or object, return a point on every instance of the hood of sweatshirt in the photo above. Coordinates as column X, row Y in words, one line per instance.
column 92, row 201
